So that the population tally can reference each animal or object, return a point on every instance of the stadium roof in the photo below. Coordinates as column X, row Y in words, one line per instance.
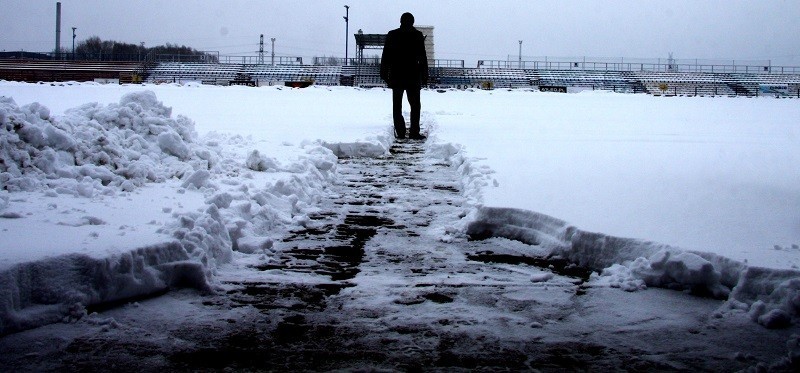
column 367, row 41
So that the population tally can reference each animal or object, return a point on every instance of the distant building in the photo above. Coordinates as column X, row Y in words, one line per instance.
column 428, row 32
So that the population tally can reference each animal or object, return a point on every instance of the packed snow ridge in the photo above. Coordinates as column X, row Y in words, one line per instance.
column 106, row 152
column 109, row 151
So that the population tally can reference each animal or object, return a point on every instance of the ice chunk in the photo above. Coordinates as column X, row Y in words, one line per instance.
column 197, row 179
column 171, row 143
column 542, row 277
column 254, row 245
column 775, row 319
column 221, row 200
column 258, row 162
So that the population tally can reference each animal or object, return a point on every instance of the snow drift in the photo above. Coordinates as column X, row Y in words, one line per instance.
column 103, row 152
column 772, row 296
column 118, row 146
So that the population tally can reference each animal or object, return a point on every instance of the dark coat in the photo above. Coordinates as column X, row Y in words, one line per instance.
column 404, row 63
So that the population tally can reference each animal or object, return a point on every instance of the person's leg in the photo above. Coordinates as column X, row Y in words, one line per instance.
column 397, row 112
column 416, row 107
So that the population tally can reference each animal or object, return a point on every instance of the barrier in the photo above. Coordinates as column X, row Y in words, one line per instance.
column 549, row 88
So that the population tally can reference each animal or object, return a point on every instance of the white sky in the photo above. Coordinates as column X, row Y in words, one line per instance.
column 469, row 30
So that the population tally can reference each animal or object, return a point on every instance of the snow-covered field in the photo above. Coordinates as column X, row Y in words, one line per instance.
column 110, row 192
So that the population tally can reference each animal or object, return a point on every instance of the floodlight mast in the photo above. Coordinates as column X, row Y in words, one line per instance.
column 346, row 31
column 261, row 50
column 272, row 56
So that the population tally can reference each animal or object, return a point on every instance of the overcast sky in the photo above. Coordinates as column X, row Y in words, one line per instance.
column 463, row 30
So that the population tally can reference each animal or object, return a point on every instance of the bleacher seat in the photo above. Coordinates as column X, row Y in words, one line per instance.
column 368, row 75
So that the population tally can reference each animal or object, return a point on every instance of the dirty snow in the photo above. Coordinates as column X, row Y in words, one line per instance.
column 113, row 192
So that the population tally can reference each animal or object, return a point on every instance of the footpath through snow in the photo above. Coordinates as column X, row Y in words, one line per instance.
column 230, row 203
column 379, row 277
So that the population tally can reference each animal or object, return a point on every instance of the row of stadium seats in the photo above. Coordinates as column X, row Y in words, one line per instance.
column 222, row 73
column 57, row 70
column 322, row 75
column 603, row 80
column 667, row 83
column 177, row 71
column 368, row 75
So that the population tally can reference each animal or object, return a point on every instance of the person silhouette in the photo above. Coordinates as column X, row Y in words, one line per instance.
column 404, row 68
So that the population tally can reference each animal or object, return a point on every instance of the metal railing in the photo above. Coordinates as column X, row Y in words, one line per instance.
column 656, row 65
column 337, row 61
column 447, row 63
column 258, row 60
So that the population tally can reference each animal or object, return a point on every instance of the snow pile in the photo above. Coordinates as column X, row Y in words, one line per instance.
column 377, row 146
column 671, row 269
column 104, row 151
column 241, row 214
column 258, row 162
column 60, row 288
column 772, row 296
column 474, row 177
column 4, row 198
column 252, row 211
column 96, row 148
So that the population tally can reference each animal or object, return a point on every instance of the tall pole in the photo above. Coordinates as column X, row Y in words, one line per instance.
column 520, row 55
column 346, row 31
column 273, row 51
column 58, row 29
column 261, row 50
column 73, row 42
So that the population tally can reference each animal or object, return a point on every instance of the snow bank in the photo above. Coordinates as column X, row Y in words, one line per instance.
column 55, row 289
column 103, row 150
column 101, row 153
column 372, row 148
column 109, row 147
column 252, row 211
column 475, row 177
column 772, row 296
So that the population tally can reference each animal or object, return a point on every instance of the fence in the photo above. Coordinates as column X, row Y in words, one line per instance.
column 206, row 57
column 637, row 64
column 259, row 60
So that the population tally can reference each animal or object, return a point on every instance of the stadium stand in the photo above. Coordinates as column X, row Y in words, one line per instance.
column 711, row 84
column 497, row 78
column 616, row 81
column 223, row 74
column 318, row 74
column 364, row 75
column 655, row 81
column 209, row 73
column 59, row 71
column 448, row 77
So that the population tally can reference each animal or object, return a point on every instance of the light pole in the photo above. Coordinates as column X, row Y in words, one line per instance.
column 73, row 42
column 346, row 31
column 520, row 55
column 272, row 54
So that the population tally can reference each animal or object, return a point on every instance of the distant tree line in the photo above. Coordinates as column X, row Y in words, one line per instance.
column 95, row 49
